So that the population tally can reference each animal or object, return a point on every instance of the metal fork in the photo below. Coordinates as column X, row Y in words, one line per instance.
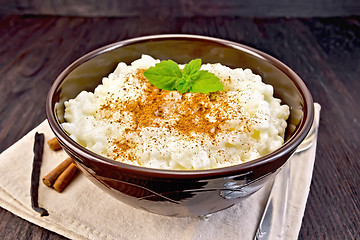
column 274, row 219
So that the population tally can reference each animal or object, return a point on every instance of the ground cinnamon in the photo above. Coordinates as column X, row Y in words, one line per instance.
column 188, row 113
column 51, row 177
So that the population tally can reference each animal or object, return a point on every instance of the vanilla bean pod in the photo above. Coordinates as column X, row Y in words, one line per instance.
column 35, row 175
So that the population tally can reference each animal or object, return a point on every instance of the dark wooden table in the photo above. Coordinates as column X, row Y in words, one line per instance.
column 324, row 52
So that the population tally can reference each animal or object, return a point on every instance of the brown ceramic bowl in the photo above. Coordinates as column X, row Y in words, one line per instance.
column 172, row 192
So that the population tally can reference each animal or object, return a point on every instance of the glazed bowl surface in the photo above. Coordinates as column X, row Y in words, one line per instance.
column 175, row 192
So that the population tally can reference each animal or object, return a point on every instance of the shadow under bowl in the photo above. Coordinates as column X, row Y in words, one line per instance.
column 174, row 192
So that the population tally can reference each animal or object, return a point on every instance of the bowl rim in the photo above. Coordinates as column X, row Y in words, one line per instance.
column 287, row 148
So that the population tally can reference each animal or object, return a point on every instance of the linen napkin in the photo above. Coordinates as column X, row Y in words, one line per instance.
column 83, row 211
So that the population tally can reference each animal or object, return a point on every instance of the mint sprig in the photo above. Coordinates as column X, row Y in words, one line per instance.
column 168, row 76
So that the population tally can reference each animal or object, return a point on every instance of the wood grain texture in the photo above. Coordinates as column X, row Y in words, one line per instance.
column 183, row 8
column 325, row 52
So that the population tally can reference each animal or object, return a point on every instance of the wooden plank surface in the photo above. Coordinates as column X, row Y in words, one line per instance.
column 325, row 52
column 183, row 8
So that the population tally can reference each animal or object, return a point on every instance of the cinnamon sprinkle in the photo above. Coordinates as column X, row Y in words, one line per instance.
column 190, row 113
column 187, row 114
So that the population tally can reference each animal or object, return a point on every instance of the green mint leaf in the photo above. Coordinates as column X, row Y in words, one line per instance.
column 168, row 76
column 190, row 74
column 164, row 75
column 206, row 82
column 192, row 68
column 183, row 85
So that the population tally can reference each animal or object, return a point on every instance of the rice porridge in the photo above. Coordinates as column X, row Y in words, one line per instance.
column 129, row 120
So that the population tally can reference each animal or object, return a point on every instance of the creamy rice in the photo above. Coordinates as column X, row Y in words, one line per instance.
column 129, row 120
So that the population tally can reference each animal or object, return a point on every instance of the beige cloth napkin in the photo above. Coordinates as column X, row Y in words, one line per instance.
column 83, row 211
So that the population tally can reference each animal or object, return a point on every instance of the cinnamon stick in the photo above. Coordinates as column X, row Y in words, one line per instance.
column 51, row 177
column 54, row 144
column 64, row 178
